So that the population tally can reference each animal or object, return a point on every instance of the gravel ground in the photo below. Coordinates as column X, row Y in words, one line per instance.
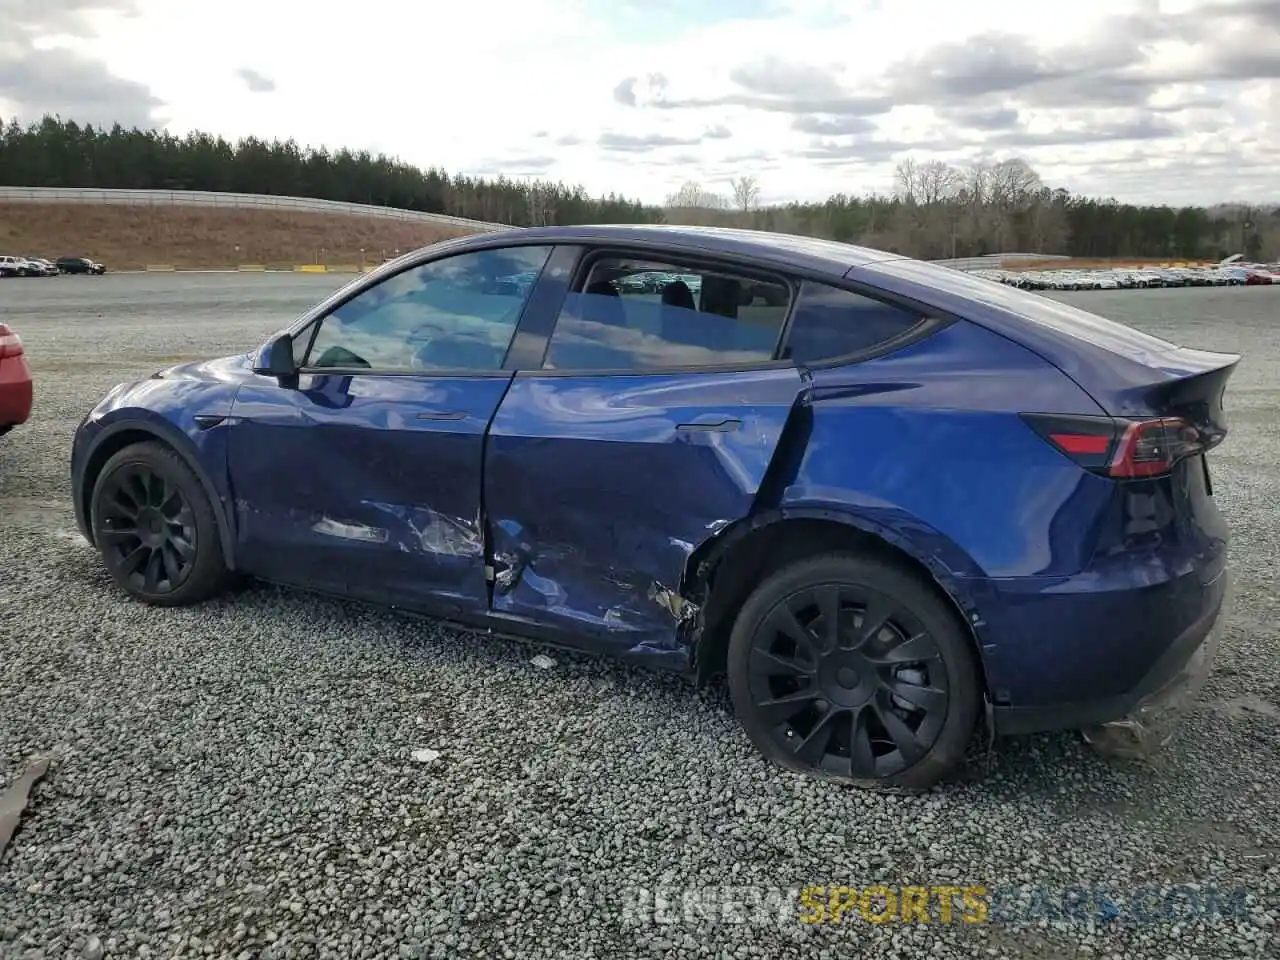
column 239, row 780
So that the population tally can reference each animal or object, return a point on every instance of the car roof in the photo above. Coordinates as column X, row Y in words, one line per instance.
column 781, row 249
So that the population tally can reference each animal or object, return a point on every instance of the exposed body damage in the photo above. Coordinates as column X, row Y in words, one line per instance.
column 599, row 490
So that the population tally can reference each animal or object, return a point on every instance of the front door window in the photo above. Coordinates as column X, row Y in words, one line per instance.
column 454, row 314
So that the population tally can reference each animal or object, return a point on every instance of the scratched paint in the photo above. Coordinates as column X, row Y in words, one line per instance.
column 428, row 531
column 329, row 527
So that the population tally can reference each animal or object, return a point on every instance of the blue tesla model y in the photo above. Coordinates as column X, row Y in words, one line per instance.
column 891, row 502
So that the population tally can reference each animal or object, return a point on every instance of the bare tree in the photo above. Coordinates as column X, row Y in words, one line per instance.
column 746, row 193
column 936, row 181
column 1012, row 183
column 692, row 194
column 976, row 184
column 905, row 180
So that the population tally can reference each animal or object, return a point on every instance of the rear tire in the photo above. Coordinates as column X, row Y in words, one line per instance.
column 886, row 703
column 155, row 528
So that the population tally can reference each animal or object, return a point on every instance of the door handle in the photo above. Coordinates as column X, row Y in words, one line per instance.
column 728, row 425
column 443, row 415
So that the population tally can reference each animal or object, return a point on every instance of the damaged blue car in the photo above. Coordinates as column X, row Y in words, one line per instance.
column 891, row 502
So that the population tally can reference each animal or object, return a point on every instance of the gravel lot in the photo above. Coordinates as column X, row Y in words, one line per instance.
column 238, row 780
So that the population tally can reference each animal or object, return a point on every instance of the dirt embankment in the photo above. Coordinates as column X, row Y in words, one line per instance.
column 131, row 237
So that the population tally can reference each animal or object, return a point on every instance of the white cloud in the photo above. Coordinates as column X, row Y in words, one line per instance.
column 818, row 96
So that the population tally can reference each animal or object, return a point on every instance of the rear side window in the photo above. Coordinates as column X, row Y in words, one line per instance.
column 830, row 322
column 633, row 314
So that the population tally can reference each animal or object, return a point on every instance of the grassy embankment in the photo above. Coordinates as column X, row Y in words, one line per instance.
column 133, row 237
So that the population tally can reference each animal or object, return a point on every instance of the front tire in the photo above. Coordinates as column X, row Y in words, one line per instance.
column 155, row 528
column 853, row 669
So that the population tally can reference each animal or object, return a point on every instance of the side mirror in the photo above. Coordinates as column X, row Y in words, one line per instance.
column 276, row 360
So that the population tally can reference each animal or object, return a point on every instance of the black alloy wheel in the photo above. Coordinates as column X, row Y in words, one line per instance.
column 853, row 669
column 155, row 527
column 148, row 531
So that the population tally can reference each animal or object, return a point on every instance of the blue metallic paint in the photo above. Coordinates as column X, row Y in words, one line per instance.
column 166, row 406
column 589, row 502
column 382, row 496
column 598, row 497
column 1117, row 365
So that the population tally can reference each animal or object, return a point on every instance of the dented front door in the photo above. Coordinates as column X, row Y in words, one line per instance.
column 366, row 484
column 598, row 488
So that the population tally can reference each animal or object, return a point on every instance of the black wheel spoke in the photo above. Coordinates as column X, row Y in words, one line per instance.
column 828, row 597
column 159, row 492
column 182, row 547
column 136, row 488
column 902, row 736
column 773, row 664
column 813, row 746
column 151, row 572
column 134, row 559
column 875, row 616
column 783, row 620
column 170, row 563
column 924, row 697
column 122, row 503
column 118, row 536
column 917, row 649
column 171, row 504
column 783, row 708
column 862, row 757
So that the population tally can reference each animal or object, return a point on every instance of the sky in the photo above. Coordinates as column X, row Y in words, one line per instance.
column 1163, row 101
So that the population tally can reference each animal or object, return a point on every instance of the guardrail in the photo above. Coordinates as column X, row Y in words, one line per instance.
column 994, row 261
column 206, row 198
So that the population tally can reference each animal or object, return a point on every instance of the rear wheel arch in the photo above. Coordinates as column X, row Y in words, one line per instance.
column 123, row 434
column 724, row 572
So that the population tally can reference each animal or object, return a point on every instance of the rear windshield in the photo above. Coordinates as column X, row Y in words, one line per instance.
column 1042, row 310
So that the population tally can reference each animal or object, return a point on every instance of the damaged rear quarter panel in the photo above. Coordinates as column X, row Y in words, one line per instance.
column 598, row 488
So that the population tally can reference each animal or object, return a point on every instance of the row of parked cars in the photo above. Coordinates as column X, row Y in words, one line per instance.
column 11, row 266
column 1232, row 275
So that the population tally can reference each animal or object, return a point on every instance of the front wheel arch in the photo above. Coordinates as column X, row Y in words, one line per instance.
column 122, row 434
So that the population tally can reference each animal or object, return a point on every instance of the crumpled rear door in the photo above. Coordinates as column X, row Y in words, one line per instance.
column 598, row 488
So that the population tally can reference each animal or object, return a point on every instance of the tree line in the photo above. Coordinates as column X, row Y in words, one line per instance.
column 934, row 211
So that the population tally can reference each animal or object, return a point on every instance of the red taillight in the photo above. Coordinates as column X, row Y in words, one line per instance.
column 1081, row 442
column 10, row 343
column 1149, row 448
column 1120, row 448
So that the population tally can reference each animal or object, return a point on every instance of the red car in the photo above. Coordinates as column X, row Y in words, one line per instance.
column 15, row 381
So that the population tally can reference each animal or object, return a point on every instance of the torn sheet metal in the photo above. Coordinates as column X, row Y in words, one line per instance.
column 14, row 800
column 679, row 607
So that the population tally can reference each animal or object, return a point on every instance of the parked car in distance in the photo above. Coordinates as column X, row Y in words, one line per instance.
column 40, row 267
column 15, row 381
column 862, row 486
column 79, row 265
column 11, row 266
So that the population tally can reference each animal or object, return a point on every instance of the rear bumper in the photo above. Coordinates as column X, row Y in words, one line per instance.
column 1149, row 709
column 15, row 391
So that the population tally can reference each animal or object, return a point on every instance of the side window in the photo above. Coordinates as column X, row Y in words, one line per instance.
column 458, row 313
column 830, row 322
column 640, row 314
